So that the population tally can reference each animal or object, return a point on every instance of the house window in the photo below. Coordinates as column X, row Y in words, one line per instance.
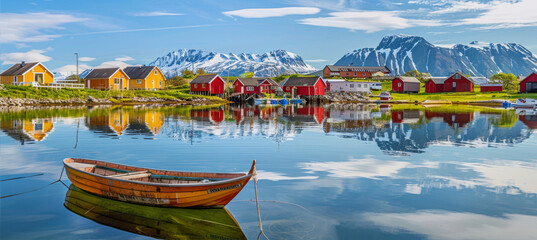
column 160, row 84
column 38, row 77
column 352, row 85
column 288, row 88
column 195, row 85
column 203, row 85
column 457, row 76
column 138, row 81
column 359, row 85
column 249, row 88
column 399, row 84
column 153, row 83
column 117, row 80
column 363, row 74
column 156, row 72
column 355, row 74
column 15, row 79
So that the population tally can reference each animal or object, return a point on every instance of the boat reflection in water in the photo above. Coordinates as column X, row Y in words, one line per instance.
column 156, row 222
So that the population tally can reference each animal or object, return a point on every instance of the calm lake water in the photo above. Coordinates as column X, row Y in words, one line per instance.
column 325, row 172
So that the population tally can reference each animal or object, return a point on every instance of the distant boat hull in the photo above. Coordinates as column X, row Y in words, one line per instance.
column 156, row 187
column 156, row 222
column 526, row 103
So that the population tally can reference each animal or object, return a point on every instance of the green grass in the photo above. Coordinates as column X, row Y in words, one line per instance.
column 180, row 92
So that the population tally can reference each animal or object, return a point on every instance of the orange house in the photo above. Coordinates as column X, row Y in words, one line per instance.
column 24, row 73
column 107, row 78
column 145, row 77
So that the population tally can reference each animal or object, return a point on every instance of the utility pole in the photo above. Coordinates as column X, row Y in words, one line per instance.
column 77, row 76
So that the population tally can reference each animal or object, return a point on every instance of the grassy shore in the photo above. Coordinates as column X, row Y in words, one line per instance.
column 27, row 92
column 477, row 95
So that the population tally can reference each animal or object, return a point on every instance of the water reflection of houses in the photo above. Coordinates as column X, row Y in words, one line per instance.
column 411, row 131
column 36, row 129
column 129, row 121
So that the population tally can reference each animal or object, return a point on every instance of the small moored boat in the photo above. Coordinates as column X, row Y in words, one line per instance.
column 156, row 187
column 526, row 103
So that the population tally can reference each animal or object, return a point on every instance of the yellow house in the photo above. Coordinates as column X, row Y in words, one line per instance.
column 38, row 128
column 154, row 121
column 145, row 77
column 107, row 78
column 118, row 121
column 24, row 73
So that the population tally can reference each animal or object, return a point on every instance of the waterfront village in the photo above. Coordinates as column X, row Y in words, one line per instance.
column 332, row 84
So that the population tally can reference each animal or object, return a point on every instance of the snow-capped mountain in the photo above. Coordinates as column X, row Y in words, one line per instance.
column 262, row 65
column 63, row 75
column 403, row 53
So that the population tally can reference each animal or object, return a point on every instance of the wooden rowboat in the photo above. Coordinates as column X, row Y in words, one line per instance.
column 156, row 187
column 155, row 222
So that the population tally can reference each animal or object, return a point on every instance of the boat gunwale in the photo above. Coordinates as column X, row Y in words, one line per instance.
column 230, row 180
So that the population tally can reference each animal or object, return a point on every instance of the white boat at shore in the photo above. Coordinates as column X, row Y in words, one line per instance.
column 526, row 103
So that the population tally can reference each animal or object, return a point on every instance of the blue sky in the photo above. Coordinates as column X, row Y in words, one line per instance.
column 119, row 33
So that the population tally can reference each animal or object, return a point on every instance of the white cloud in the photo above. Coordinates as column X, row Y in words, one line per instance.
column 464, row 6
column 156, row 14
column 86, row 59
column 30, row 27
column 316, row 60
column 34, row 55
column 506, row 14
column 71, row 68
column 272, row 12
column 110, row 64
column 357, row 168
column 369, row 21
column 440, row 225
column 123, row 59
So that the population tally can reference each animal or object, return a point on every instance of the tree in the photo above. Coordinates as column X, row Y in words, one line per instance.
column 247, row 75
column 415, row 73
column 187, row 73
column 176, row 81
column 71, row 77
column 201, row 71
column 508, row 80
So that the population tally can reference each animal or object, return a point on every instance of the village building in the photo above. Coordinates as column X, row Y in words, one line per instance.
column 458, row 83
column 404, row 84
column 304, row 86
column 23, row 73
column 491, row 87
column 254, row 86
column 529, row 83
column 208, row 84
column 145, row 77
column 340, row 85
column 107, row 78
column 435, row 85
column 353, row 71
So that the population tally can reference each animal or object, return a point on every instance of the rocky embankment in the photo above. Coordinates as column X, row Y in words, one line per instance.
column 345, row 97
column 101, row 101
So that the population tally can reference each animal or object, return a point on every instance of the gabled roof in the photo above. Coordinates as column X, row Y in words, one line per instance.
column 207, row 78
column 358, row 68
column 462, row 75
column 138, row 72
column 100, row 73
column 268, row 80
column 300, row 81
column 408, row 79
column 250, row 81
column 19, row 69
column 438, row 80
column 524, row 78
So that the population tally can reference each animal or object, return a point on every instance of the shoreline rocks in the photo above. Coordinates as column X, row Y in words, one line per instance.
column 7, row 101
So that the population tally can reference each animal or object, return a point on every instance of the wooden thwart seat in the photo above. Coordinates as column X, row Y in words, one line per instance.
column 131, row 175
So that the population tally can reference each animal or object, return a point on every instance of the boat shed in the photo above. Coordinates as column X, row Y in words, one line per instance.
column 458, row 83
column 207, row 84
column 404, row 84
column 529, row 83
column 306, row 86
column 435, row 85
column 491, row 87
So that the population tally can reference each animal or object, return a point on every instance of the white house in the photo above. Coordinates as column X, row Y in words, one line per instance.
column 340, row 85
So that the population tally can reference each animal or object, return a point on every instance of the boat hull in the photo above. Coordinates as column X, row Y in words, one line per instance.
column 205, row 195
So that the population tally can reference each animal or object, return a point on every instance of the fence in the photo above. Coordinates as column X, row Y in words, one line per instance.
column 61, row 85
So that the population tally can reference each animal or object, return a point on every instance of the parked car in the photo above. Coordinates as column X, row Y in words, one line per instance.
column 385, row 96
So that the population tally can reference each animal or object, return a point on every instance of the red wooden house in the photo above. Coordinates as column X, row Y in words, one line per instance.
column 214, row 115
column 491, row 87
column 254, row 85
column 529, row 83
column 405, row 84
column 435, row 85
column 306, row 86
column 458, row 83
column 209, row 84
column 353, row 71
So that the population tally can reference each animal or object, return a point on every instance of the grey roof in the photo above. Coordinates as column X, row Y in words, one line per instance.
column 358, row 68
column 438, row 80
column 18, row 69
column 408, row 79
column 268, row 79
column 300, row 81
column 204, row 78
column 138, row 72
column 462, row 75
column 100, row 73
column 250, row 81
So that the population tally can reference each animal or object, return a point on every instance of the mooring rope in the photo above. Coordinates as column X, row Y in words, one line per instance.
column 257, row 205
column 15, row 178
column 35, row 189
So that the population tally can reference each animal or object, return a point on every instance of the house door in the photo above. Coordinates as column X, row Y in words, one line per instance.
column 531, row 87
column 454, row 89
column 38, row 78
column 118, row 83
